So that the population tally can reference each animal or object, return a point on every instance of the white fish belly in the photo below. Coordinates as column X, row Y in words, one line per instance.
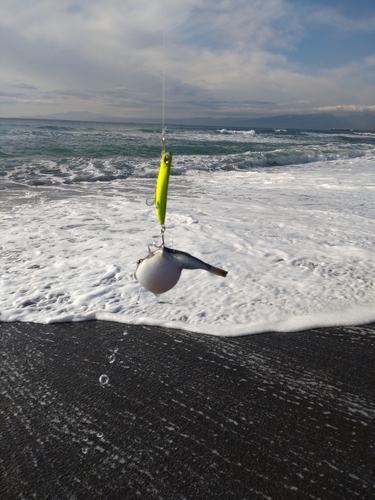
column 157, row 274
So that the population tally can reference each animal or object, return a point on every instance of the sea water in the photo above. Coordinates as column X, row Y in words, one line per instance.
column 289, row 214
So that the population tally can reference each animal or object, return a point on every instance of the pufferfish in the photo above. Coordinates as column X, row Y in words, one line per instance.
column 161, row 269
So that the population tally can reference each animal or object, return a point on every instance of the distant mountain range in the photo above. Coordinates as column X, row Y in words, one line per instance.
column 313, row 121
column 318, row 121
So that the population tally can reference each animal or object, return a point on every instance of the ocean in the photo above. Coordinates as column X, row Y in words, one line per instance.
column 289, row 214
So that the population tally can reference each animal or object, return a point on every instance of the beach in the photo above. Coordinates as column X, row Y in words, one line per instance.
column 108, row 410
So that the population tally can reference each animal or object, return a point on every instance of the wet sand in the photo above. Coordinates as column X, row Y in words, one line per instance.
column 185, row 416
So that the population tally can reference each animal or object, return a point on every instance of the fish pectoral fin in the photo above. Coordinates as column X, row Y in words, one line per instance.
column 217, row 271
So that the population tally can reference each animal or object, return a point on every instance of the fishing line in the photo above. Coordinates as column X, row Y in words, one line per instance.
column 163, row 82
column 161, row 191
column 163, row 140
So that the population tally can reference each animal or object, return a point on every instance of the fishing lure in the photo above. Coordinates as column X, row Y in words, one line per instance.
column 162, row 186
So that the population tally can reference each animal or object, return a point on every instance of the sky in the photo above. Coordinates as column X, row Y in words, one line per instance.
column 208, row 58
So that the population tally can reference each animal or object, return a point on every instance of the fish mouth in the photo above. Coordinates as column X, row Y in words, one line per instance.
column 138, row 263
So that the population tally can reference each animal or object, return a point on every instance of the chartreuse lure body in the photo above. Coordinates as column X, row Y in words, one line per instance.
column 162, row 186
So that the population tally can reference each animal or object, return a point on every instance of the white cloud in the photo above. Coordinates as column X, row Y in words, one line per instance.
column 339, row 21
column 221, row 57
column 369, row 61
column 345, row 109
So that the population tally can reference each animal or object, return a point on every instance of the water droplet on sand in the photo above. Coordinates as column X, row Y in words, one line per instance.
column 84, row 450
column 99, row 434
column 125, row 332
column 85, row 438
column 112, row 358
column 104, row 379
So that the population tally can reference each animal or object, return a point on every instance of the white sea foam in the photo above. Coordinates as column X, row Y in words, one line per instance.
column 240, row 133
column 298, row 245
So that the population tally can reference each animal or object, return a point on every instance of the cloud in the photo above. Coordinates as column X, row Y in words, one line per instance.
column 345, row 109
column 331, row 17
column 220, row 57
column 243, row 26
column 369, row 61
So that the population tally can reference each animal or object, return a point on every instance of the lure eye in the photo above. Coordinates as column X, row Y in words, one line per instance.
column 139, row 261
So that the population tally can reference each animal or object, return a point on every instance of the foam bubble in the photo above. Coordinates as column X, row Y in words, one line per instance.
column 103, row 379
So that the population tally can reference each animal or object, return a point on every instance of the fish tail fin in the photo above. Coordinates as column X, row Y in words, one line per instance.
column 217, row 271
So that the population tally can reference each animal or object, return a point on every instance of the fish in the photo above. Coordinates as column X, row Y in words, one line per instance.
column 160, row 271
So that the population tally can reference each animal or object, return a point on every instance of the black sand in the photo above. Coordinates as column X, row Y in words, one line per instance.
column 185, row 416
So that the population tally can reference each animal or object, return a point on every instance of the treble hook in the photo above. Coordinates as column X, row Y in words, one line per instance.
column 162, row 231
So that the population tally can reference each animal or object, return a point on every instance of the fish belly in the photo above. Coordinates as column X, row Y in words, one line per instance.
column 157, row 274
